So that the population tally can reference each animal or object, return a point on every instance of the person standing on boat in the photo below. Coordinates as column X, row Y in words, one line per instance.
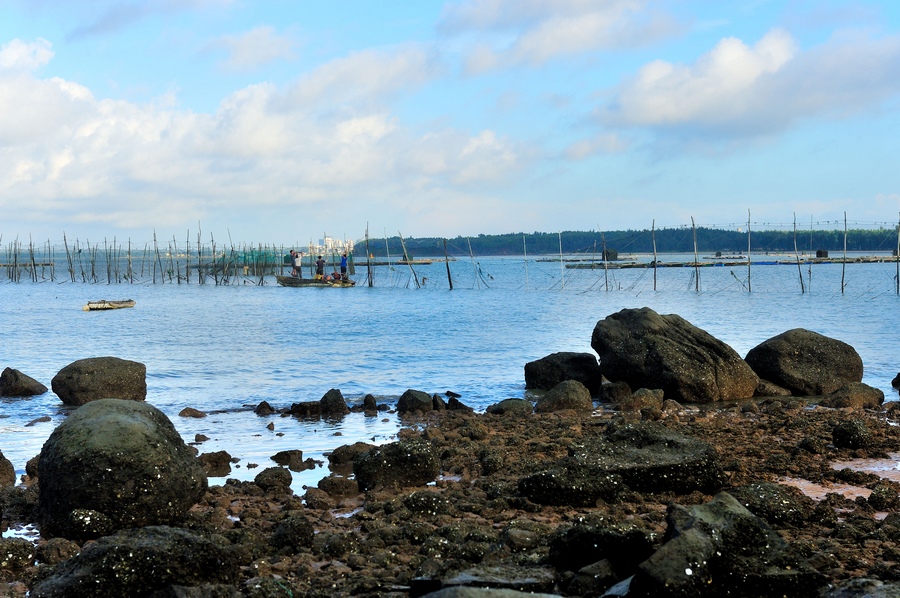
column 344, row 266
column 320, row 268
column 298, row 264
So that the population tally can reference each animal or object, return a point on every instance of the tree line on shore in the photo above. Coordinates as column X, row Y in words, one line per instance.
column 666, row 240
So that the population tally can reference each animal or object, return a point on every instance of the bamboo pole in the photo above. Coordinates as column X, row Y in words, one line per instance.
column 696, row 258
column 474, row 267
column 898, row 258
column 408, row 262
column 447, row 263
column 562, row 268
column 605, row 262
column 844, row 262
column 368, row 259
column 797, row 254
column 525, row 258
column 653, row 239
column 749, row 289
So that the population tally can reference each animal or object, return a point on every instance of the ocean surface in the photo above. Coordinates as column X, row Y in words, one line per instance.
column 224, row 349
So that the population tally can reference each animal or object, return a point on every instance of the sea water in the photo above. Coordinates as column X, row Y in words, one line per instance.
column 223, row 349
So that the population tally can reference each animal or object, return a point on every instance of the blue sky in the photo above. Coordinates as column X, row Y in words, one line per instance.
column 277, row 121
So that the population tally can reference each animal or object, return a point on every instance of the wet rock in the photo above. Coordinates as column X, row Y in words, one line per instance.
column 306, row 409
column 547, row 372
column 863, row 588
column 770, row 389
column 344, row 455
column 644, row 457
column 438, row 403
column 137, row 562
column 646, row 349
column 614, row 392
column 264, row 409
column 369, row 403
column 338, row 486
column 622, row 546
column 778, row 504
column 532, row 579
column 191, row 412
column 402, row 463
column 123, row 459
column 593, row 579
column 511, row 407
column 95, row 378
column 806, row 362
column 333, row 404
column 14, row 383
column 855, row 395
column 569, row 394
column 292, row 459
column 884, row 496
column 642, row 398
column 414, row 400
column 896, row 381
column 216, row 464
column 56, row 550
column 293, row 533
column 200, row 591
column 491, row 592
column 851, row 434
column 275, row 480
column 718, row 549
column 7, row 471
column 16, row 554
column 454, row 404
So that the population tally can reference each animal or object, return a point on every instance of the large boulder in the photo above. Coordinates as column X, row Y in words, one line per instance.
column 646, row 349
column 547, row 372
column 333, row 404
column 7, row 472
column 414, row 400
column 402, row 463
column 568, row 394
column 139, row 562
column 806, row 362
column 722, row 549
column 644, row 457
column 14, row 383
column 95, row 378
column 119, row 462
column 855, row 395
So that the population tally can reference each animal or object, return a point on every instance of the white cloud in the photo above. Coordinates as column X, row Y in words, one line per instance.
column 254, row 48
column 532, row 32
column 29, row 56
column 603, row 143
column 736, row 90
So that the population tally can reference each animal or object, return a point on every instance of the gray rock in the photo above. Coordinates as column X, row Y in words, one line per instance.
column 646, row 349
column 547, row 372
column 646, row 457
column 95, row 378
column 138, row 562
column 806, row 362
column 778, row 504
column 333, row 404
column 589, row 542
column 568, row 394
column 862, row 587
column 123, row 459
column 722, row 549
column 470, row 592
column 402, row 463
column 532, row 579
column 855, row 395
column 511, row 407
column 14, row 383
column 414, row 400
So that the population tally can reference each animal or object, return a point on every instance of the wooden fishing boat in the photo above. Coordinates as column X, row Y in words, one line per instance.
column 103, row 304
column 293, row 281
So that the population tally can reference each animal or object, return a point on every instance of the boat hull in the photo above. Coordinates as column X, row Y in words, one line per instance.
column 103, row 305
column 290, row 281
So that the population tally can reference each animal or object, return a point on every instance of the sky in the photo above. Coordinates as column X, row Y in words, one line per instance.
column 280, row 121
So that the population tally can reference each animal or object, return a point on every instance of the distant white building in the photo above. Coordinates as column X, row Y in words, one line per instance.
column 331, row 245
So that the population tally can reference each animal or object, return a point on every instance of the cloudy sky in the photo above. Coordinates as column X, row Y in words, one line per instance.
column 275, row 121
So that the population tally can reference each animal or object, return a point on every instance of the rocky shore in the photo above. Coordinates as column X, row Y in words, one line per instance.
column 594, row 490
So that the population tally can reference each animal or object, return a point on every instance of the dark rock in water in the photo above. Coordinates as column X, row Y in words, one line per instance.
column 806, row 362
column 121, row 458
column 216, row 464
column 95, row 378
column 614, row 392
column 645, row 457
column 333, row 404
column 438, row 403
column 593, row 579
column 414, row 400
column 276, row 480
column 778, row 504
column 264, row 409
column 402, row 463
column 455, row 404
column 896, row 381
column 292, row 459
column 851, row 434
column 138, row 562
column 722, row 549
column 770, row 389
column 646, row 349
column 306, row 409
column 345, row 454
column 547, row 372
column 7, row 471
column 338, row 486
column 569, row 394
column 586, row 543
column 191, row 412
column 14, row 383
column 452, row 395
column 856, row 395
column 369, row 403
column 511, row 407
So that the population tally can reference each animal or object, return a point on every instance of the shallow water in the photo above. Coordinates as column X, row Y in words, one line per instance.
column 224, row 349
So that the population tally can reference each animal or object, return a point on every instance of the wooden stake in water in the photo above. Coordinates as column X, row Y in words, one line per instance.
column 562, row 268
column 696, row 258
column 525, row 257
column 898, row 258
column 748, row 251
column 408, row 260
column 844, row 263
column 368, row 258
column 605, row 262
column 474, row 266
column 447, row 263
column 797, row 254
column 653, row 239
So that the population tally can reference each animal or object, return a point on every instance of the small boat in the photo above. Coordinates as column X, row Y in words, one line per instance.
column 293, row 281
column 104, row 304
